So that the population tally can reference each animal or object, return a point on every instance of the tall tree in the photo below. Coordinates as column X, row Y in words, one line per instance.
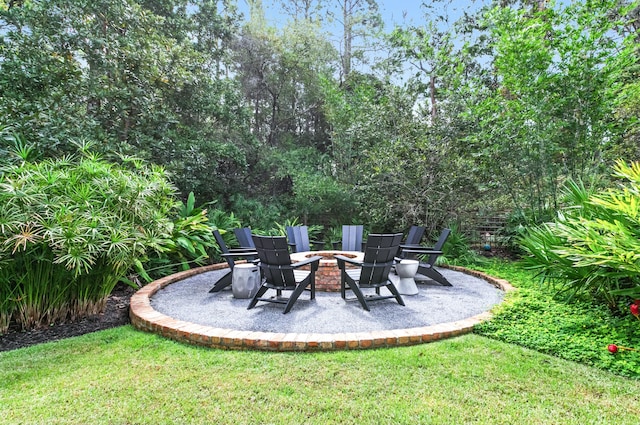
column 550, row 115
column 280, row 74
column 359, row 19
column 303, row 10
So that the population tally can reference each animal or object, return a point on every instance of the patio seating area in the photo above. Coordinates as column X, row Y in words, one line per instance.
column 182, row 308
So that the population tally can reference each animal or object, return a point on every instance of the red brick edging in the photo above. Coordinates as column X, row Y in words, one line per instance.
column 145, row 318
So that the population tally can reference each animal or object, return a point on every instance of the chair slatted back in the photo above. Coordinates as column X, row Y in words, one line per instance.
column 352, row 237
column 379, row 256
column 442, row 239
column 223, row 247
column 220, row 240
column 243, row 235
column 438, row 246
column 299, row 236
column 275, row 261
column 415, row 235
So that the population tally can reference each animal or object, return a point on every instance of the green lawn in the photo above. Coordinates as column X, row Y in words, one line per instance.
column 124, row 376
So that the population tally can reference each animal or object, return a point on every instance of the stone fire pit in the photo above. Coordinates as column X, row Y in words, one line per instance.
column 328, row 274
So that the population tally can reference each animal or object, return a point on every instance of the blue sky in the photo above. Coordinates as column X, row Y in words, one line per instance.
column 394, row 12
column 412, row 12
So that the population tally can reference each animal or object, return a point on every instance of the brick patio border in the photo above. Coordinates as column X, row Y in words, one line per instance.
column 145, row 318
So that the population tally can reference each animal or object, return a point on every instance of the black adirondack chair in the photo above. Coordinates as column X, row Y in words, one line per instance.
column 352, row 237
column 280, row 274
column 298, row 237
column 373, row 270
column 230, row 255
column 414, row 236
column 243, row 235
column 429, row 256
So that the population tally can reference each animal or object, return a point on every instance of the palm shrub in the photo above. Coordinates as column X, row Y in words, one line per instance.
column 593, row 246
column 517, row 223
column 334, row 235
column 70, row 228
column 457, row 249
column 281, row 228
column 7, row 298
column 192, row 233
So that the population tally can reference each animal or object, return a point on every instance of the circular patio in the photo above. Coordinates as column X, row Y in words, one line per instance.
column 180, row 307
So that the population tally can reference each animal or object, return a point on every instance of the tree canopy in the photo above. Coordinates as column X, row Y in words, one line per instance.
column 300, row 119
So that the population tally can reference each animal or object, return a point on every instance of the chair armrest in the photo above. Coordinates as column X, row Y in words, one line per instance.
column 241, row 250
column 414, row 246
column 247, row 248
column 342, row 259
column 422, row 251
column 314, row 261
column 239, row 254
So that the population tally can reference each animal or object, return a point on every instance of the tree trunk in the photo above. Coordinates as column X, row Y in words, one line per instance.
column 347, row 38
column 432, row 85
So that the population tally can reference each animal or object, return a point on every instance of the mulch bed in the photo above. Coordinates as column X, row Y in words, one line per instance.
column 116, row 314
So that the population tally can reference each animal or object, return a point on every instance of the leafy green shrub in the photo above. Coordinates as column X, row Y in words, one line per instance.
column 281, row 228
column 333, row 235
column 254, row 213
column 71, row 228
column 593, row 246
column 190, row 243
column 224, row 222
column 518, row 221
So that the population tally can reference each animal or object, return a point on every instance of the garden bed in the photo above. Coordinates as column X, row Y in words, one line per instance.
column 116, row 314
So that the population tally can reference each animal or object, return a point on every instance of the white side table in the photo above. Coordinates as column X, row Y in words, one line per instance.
column 245, row 280
column 406, row 270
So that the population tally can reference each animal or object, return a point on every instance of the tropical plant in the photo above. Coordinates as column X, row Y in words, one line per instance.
column 71, row 228
column 7, row 296
column 192, row 233
column 334, row 235
column 517, row 223
column 593, row 246
column 224, row 222
column 190, row 243
column 281, row 228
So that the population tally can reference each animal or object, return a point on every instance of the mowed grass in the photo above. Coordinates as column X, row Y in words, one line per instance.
column 124, row 376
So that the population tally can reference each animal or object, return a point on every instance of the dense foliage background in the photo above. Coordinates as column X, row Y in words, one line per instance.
column 430, row 123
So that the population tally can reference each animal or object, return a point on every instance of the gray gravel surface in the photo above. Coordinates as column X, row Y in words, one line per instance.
column 190, row 300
